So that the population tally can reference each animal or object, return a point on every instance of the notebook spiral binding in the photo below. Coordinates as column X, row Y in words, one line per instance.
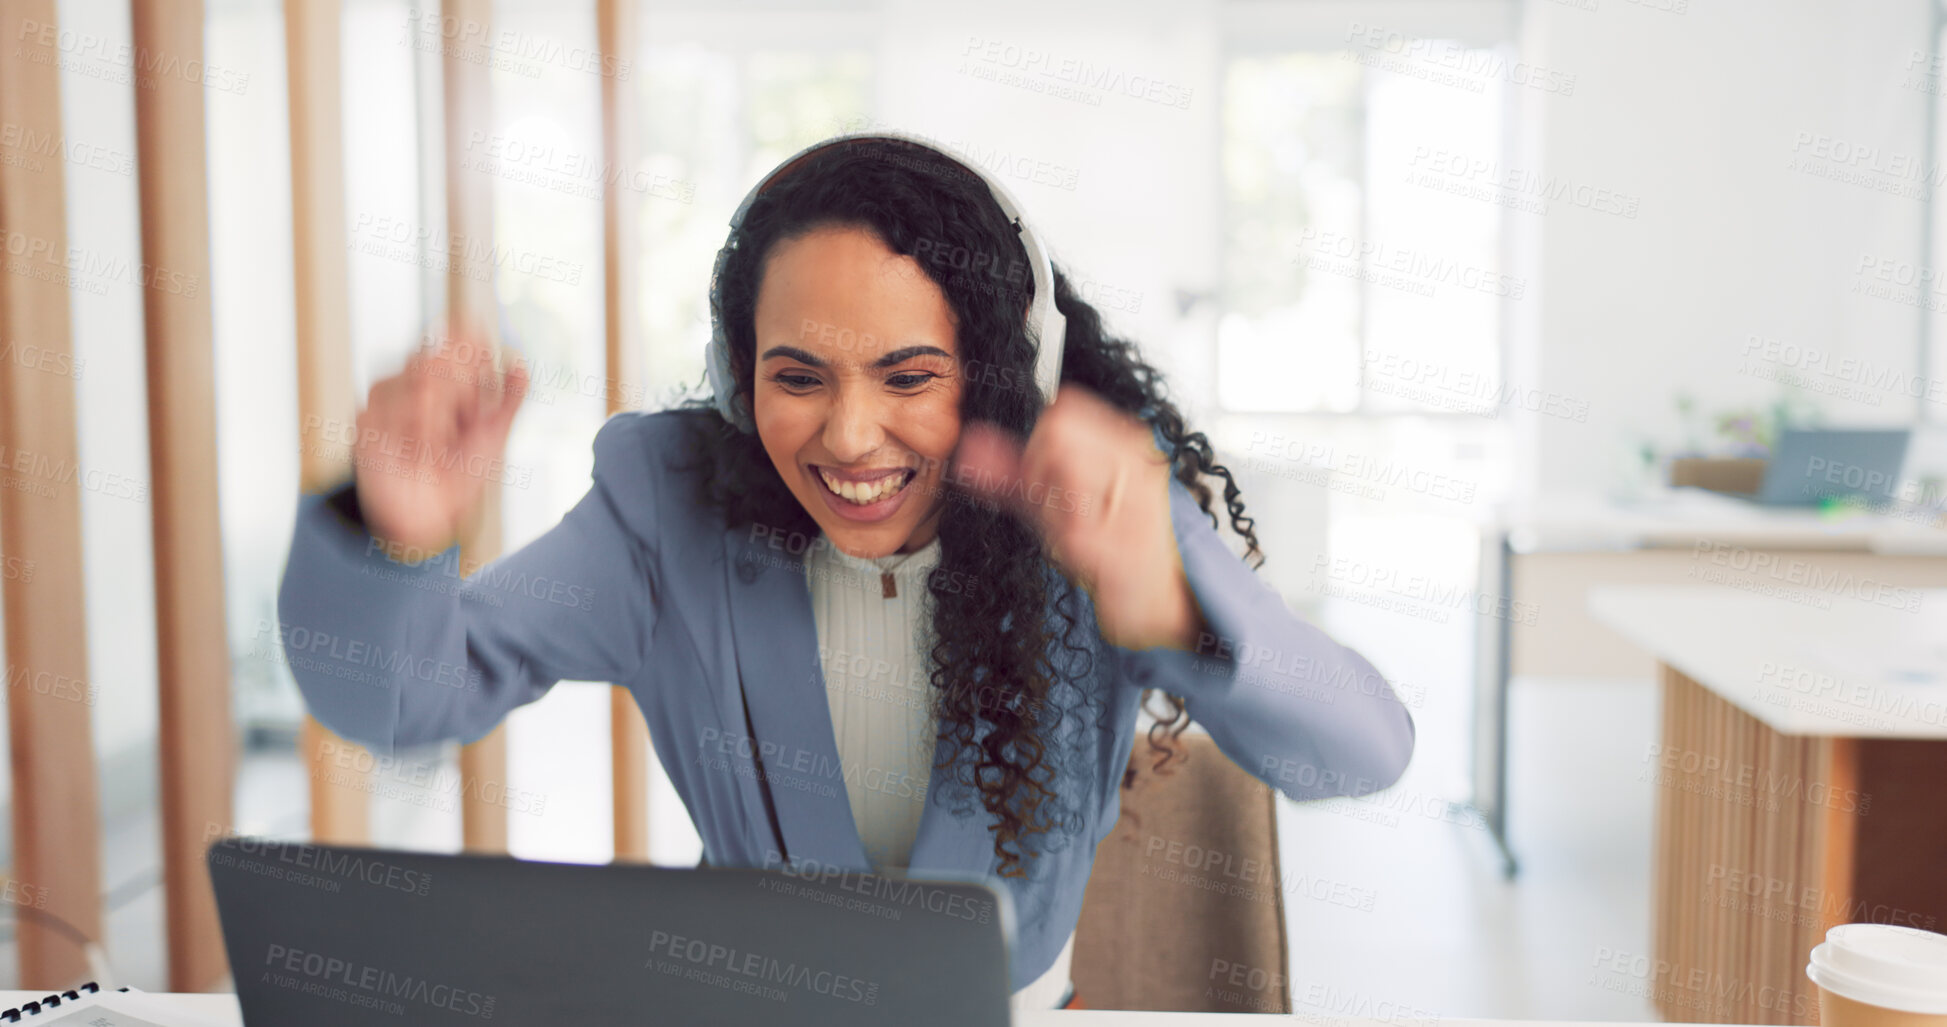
column 53, row 1001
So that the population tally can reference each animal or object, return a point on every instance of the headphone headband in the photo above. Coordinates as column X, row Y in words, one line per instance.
column 1047, row 326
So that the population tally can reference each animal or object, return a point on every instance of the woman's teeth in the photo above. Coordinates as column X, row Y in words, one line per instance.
column 866, row 493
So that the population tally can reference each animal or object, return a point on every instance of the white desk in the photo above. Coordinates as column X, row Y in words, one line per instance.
column 221, row 1011
column 1797, row 776
column 1544, row 554
column 1857, row 670
column 1677, row 517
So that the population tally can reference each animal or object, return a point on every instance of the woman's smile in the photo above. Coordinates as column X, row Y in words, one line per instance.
column 866, row 487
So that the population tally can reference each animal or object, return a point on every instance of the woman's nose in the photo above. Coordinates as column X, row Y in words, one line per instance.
column 856, row 425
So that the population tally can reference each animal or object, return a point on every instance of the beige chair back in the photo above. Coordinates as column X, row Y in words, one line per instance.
column 1184, row 907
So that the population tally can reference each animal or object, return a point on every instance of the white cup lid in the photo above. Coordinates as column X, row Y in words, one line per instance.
column 1885, row 965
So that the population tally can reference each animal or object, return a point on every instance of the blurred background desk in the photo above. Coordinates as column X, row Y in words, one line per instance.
column 1799, row 782
column 1540, row 558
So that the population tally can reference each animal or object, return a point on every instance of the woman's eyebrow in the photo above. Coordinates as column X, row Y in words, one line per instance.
column 897, row 356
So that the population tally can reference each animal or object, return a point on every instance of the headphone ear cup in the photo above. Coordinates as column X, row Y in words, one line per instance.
column 723, row 378
column 723, row 383
column 1051, row 337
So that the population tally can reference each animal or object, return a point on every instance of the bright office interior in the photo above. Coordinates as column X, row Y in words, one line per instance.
column 1406, row 261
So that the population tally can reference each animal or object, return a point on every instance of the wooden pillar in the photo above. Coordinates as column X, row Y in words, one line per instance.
column 340, row 808
column 470, row 302
column 56, row 819
column 197, row 738
column 628, row 733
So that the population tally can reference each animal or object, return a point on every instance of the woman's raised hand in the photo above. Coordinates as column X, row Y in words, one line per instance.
column 1097, row 490
column 431, row 438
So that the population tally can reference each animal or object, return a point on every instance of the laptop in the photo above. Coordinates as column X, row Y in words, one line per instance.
column 1810, row 464
column 320, row 934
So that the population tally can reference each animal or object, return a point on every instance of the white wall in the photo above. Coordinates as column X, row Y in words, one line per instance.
column 1700, row 114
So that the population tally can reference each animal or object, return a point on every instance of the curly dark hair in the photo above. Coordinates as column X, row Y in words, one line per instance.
column 996, row 687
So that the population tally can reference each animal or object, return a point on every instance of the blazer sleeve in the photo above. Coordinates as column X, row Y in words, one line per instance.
column 391, row 653
column 1308, row 716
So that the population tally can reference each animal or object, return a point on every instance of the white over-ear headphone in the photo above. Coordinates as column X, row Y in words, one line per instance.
column 1048, row 326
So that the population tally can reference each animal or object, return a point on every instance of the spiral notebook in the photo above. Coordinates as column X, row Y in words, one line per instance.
column 88, row 1005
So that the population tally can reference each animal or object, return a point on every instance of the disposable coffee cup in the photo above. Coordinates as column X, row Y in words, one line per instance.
column 1880, row 975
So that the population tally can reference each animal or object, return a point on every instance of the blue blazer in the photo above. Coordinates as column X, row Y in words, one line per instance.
column 642, row 586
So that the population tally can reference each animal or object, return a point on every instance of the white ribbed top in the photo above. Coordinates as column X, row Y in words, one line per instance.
column 875, row 652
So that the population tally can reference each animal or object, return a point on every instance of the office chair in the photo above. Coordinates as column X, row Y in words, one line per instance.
column 1184, row 910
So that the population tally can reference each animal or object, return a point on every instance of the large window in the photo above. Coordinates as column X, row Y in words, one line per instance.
column 714, row 119
column 1364, row 197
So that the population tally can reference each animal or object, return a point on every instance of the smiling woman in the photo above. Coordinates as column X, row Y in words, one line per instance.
column 854, row 423
column 1040, row 528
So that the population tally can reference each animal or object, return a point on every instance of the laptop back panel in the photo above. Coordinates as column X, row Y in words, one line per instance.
column 327, row 935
